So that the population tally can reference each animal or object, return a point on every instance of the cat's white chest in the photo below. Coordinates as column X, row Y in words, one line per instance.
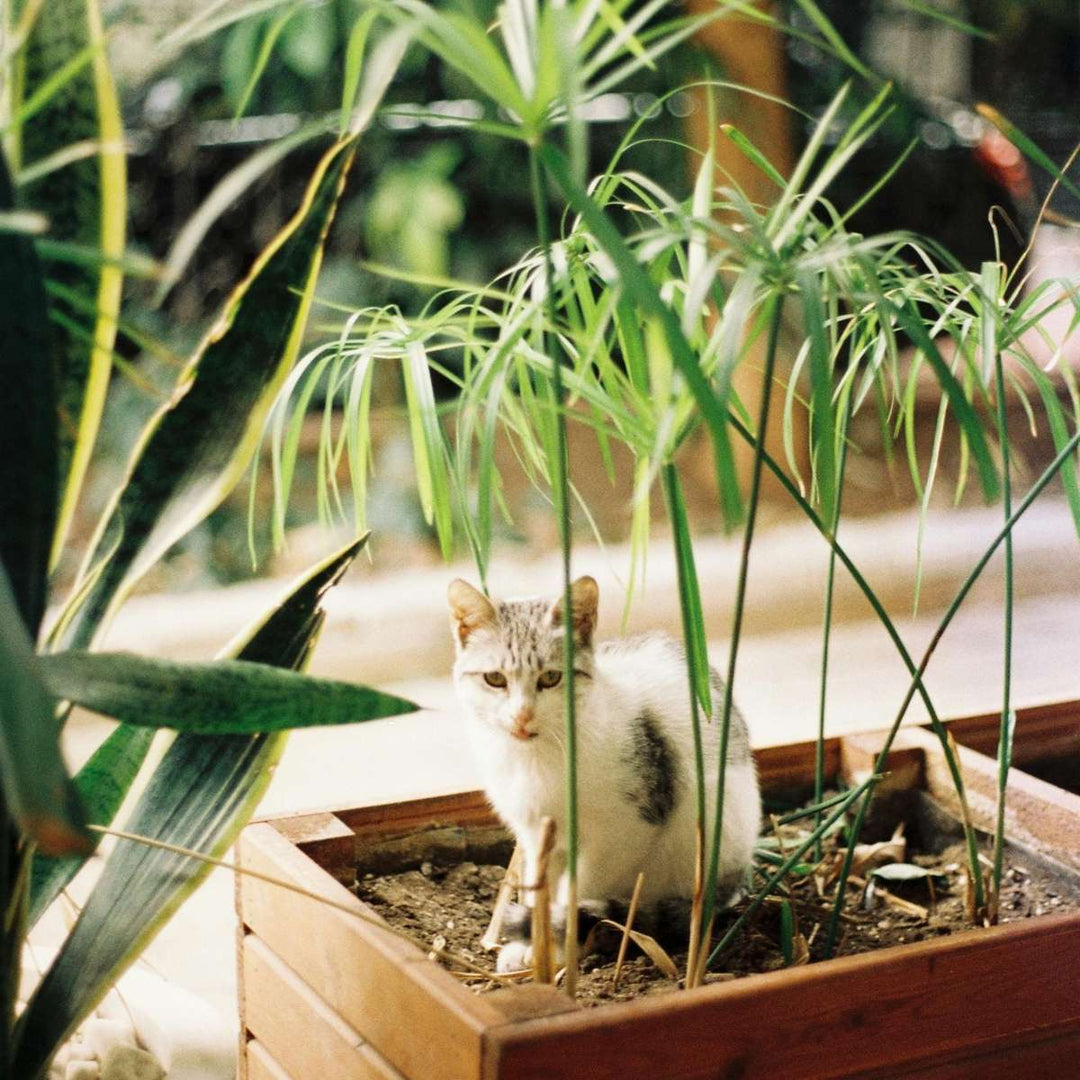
column 523, row 783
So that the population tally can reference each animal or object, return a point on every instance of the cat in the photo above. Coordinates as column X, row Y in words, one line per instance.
column 637, row 808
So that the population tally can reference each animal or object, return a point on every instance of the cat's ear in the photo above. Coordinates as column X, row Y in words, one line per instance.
column 470, row 609
column 584, row 601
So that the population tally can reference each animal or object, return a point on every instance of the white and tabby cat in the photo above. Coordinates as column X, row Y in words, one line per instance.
column 637, row 808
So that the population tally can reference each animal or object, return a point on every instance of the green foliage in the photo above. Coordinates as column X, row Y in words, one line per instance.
column 228, row 697
column 232, row 715
column 610, row 309
column 29, row 427
column 198, row 798
column 66, row 98
column 197, row 446
column 603, row 324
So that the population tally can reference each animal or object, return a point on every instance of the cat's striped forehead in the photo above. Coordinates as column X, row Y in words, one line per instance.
column 525, row 634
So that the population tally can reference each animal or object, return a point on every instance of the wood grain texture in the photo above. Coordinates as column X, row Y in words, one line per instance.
column 243, row 1071
column 792, row 765
column 325, row 838
column 261, row 1064
column 377, row 983
column 1042, row 731
column 860, row 1015
column 1045, row 1052
column 461, row 808
column 778, row 767
column 905, row 765
column 992, row 1003
column 298, row 1028
column 1037, row 814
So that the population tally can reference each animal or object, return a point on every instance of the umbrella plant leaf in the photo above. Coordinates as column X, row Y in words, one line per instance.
column 197, row 446
column 643, row 291
column 28, row 426
column 228, row 697
column 37, row 790
column 907, row 315
column 86, row 204
column 821, row 394
column 199, row 797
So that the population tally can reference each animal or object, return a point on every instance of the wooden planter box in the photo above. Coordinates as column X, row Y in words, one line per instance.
column 325, row 996
column 1046, row 744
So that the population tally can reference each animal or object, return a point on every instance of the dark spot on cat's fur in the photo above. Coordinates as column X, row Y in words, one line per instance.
column 654, row 763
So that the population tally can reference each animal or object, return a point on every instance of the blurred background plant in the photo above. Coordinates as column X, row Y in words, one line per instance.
column 184, row 75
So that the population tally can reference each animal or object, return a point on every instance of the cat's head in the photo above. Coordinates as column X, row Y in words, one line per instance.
column 509, row 668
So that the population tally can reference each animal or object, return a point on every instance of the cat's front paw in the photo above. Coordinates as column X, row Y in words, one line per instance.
column 514, row 956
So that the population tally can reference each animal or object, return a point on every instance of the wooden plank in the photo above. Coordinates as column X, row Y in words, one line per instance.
column 324, row 837
column 261, row 1064
column 856, row 1015
column 380, row 985
column 1037, row 814
column 1042, row 731
column 298, row 1028
column 244, row 1065
column 791, row 765
column 462, row 808
column 905, row 765
column 319, row 833
column 1049, row 1053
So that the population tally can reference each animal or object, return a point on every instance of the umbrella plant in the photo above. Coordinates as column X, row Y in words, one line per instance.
column 630, row 318
column 62, row 265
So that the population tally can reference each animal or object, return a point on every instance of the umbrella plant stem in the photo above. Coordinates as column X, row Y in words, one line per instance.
column 783, row 869
column 1004, row 752
column 1003, row 534
column 690, row 611
column 740, row 603
column 560, row 470
column 696, row 654
column 826, row 628
column 890, row 629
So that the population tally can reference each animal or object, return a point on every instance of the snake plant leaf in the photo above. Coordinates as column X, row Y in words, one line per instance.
column 197, row 446
column 199, row 797
column 86, row 204
column 288, row 629
column 37, row 790
column 28, row 476
column 102, row 784
column 227, row 697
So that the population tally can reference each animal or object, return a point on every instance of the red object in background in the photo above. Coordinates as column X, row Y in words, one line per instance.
column 1005, row 165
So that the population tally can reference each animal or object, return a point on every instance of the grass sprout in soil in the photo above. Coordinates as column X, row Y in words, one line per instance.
column 909, row 883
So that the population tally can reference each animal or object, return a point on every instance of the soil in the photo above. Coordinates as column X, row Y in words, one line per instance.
column 448, row 907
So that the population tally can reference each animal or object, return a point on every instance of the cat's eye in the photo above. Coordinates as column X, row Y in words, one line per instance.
column 548, row 679
column 496, row 679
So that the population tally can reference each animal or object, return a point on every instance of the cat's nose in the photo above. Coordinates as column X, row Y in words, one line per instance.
column 522, row 720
